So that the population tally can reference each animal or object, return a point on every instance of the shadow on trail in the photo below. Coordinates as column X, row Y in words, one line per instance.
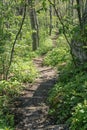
column 31, row 108
column 39, row 95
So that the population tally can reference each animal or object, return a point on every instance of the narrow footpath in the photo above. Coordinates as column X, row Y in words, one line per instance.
column 31, row 109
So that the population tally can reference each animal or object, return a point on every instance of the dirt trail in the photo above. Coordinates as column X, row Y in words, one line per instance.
column 31, row 112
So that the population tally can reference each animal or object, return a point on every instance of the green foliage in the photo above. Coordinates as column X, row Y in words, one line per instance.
column 21, row 71
column 80, row 35
column 6, row 122
column 79, row 117
column 45, row 46
column 57, row 56
column 24, row 71
column 8, row 91
column 9, row 88
column 67, row 97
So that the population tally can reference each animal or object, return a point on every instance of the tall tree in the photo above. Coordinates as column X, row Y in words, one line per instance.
column 34, row 26
column 79, row 43
column 50, row 11
column 79, row 37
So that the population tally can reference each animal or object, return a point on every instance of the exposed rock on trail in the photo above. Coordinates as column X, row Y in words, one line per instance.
column 31, row 109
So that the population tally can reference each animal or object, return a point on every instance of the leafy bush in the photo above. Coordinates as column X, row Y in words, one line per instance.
column 67, row 97
column 6, row 122
column 24, row 71
column 20, row 72
column 8, row 91
column 45, row 46
column 10, row 88
column 57, row 56
column 79, row 117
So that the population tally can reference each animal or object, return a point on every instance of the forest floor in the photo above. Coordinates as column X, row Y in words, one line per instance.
column 31, row 108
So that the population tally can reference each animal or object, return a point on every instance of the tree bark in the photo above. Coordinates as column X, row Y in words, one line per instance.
column 79, row 12
column 34, row 26
column 50, row 32
column 78, row 46
column 77, row 50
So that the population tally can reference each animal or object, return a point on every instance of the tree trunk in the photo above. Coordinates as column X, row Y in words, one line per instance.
column 79, row 12
column 34, row 26
column 78, row 45
column 50, row 32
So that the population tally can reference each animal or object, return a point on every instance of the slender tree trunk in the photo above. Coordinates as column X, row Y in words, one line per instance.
column 50, row 32
column 71, row 10
column 34, row 26
column 79, row 12
column 14, row 43
column 46, row 25
column 82, row 7
column 84, row 16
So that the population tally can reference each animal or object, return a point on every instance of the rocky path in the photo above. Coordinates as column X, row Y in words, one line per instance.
column 31, row 112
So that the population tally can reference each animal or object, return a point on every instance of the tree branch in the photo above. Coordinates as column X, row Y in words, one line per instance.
column 14, row 43
column 64, row 32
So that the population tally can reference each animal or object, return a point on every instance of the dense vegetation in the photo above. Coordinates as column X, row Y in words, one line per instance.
column 58, row 30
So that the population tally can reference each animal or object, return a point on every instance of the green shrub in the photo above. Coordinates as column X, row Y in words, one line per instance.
column 45, row 46
column 8, row 91
column 70, row 90
column 61, row 42
column 57, row 56
column 24, row 71
column 10, row 88
column 79, row 117
column 6, row 122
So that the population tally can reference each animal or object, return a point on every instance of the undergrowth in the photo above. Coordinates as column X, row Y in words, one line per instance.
column 8, row 91
column 68, row 98
column 57, row 56
column 21, row 71
column 45, row 47
column 24, row 71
